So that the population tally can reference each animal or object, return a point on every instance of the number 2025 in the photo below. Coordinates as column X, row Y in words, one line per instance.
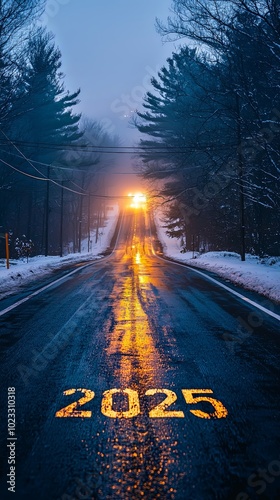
column 159, row 410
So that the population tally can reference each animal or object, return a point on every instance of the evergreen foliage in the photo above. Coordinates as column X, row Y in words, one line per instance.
column 211, row 126
column 47, row 175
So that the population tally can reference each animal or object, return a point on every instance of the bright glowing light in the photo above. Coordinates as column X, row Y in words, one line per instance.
column 138, row 200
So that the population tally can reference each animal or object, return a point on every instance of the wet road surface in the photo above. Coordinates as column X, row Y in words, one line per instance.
column 136, row 378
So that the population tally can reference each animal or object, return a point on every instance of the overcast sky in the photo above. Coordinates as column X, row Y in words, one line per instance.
column 110, row 49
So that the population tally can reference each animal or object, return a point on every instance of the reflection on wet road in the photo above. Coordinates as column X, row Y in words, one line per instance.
column 134, row 379
column 132, row 341
column 141, row 455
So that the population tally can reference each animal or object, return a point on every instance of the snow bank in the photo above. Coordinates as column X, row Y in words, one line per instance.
column 21, row 272
column 259, row 275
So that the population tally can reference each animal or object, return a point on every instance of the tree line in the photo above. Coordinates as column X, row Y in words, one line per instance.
column 50, row 167
column 211, row 145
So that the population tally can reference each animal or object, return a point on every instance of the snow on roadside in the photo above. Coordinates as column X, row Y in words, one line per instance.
column 259, row 275
column 21, row 272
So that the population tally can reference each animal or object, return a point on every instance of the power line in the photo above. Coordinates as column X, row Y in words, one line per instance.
column 84, row 193
column 71, row 169
column 45, row 178
column 85, row 146
column 23, row 173
column 22, row 154
column 62, row 186
column 160, row 149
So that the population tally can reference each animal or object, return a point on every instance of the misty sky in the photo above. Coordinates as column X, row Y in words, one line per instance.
column 110, row 49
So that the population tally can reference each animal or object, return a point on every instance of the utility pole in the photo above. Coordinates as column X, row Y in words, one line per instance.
column 5, row 236
column 88, row 221
column 61, row 218
column 240, row 180
column 80, row 228
column 97, row 224
column 47, row 209
column 80, row 234
column 7, row 250
column 193, row 245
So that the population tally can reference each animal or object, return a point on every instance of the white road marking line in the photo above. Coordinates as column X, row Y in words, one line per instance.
column 16, row 304
column 233, row 292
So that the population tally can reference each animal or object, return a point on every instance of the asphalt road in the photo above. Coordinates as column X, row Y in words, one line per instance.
column 177, row 379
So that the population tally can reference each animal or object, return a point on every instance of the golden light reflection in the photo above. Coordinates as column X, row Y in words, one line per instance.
column 132, row 338
column 141, row 455
column 132, row 342
column 138, row 258
column 139, row 467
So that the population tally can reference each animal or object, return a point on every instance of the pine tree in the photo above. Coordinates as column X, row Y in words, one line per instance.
column 46, row 106
column 45, row 127
column 214, row 115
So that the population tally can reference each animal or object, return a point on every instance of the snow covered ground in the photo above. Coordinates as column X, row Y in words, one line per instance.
column 260, row 275
column 21, row 272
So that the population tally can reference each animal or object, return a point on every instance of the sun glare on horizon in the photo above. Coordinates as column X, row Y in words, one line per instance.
column 138, row 200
